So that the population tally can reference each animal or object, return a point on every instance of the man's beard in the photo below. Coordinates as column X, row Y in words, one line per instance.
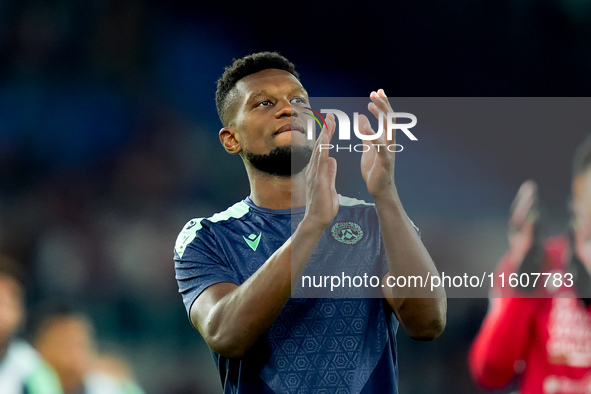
column 281, row 161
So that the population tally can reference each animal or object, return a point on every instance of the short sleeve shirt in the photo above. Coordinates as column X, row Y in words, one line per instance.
column 316, row 345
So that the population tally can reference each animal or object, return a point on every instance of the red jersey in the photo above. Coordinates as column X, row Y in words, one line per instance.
column 547, row 341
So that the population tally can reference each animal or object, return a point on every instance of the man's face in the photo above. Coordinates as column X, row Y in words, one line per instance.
column 66, row 343
column 581, row 189
column 267, row 127
column 581, row 205
column 266, row 109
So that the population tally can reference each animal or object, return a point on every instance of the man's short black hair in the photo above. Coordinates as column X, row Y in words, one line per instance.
column 54, row 310
column 243, row 67
column 582, row 158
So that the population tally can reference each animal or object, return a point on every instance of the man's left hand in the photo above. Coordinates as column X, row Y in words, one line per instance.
column 377, row 162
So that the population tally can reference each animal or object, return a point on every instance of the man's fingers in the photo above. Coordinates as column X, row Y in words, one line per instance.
column 366, row 129
column 527, row 189
column 332, row 124
column 380, row 106
column 326, row 134
column 520, row 242
column 324, row 138
column 374, row 110
column 332, row 173
column 380, row 99
column 320, row 154
column 313, row 164
column 523, row 204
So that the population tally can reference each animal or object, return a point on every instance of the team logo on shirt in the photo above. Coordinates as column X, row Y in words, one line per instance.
column 253, row 241
column 347, row 232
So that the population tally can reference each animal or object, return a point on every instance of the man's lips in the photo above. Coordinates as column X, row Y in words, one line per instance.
column 290, row 127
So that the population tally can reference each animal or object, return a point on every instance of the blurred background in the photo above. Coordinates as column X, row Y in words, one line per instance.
column 108, row 145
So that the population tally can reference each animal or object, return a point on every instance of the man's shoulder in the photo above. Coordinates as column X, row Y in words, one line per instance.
column 202, row 225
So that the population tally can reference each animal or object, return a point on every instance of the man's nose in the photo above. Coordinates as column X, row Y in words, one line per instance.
column 285, row 108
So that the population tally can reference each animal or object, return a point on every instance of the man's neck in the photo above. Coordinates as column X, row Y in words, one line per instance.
column 3, row 349
column 277, row 192
column 73, row 385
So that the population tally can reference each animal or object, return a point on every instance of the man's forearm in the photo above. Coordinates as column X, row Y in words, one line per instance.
column 422, row 314
column 238, row 319
column 502, row 340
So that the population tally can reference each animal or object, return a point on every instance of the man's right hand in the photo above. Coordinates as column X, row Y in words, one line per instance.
column 322, row 202
column 525, row 239
column 524, row 217
column 232, row 318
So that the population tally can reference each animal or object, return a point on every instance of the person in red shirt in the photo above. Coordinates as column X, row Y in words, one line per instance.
column 542, row 333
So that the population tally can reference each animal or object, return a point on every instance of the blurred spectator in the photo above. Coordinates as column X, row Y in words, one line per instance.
column 117, row 368
column 64, row 337
column 17, row 359
column 541, row 332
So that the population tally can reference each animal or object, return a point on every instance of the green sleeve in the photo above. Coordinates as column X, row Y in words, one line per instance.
column 43, row 380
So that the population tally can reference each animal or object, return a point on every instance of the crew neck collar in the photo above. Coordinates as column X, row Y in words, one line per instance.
column 291, row 211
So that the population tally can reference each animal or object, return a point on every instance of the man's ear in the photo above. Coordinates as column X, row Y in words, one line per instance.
column 230, row 140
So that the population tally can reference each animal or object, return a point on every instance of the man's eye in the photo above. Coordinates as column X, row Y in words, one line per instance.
column 264, row 103
column 298, row 100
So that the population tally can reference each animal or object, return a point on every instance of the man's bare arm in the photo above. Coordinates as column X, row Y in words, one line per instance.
column 231, row 318
column 422, row 314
